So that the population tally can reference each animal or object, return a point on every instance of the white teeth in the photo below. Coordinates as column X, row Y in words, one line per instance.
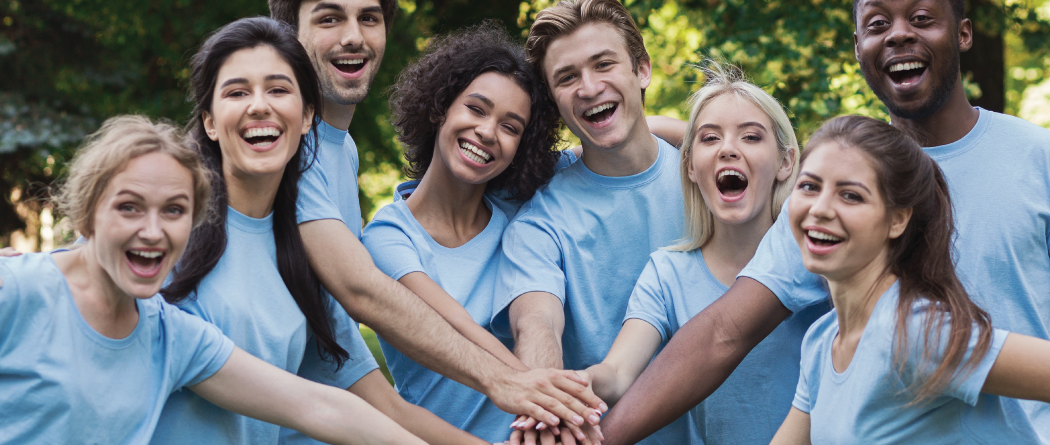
column 150, row 255
column 474, row 153
column 906, row 66
column 725, row 173
column 261, row 132
column 822, row 236
column 349, row 61
column 597, row 109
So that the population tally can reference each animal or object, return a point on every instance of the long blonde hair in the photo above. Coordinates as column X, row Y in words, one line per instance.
column 723, row 78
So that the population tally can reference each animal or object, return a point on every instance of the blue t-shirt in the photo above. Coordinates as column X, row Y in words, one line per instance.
column 328, row 190
column 585, row 238
column 1002, row 240
column 61, row 381
column 399, row 246
column 752, row 403
column 869, row 401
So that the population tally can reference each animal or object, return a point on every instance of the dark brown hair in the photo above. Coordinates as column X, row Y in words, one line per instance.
column 287, row 11
column 922, row 256
column 426, row 89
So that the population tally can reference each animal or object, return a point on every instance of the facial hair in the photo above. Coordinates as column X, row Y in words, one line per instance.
column 941, row 91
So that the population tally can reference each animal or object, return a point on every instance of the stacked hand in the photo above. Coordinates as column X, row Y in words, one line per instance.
column 582, row 428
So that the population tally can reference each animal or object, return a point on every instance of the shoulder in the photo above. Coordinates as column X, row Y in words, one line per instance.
column 821, row 331
column 31, row 273
column 1015, row 128
column 392, row 218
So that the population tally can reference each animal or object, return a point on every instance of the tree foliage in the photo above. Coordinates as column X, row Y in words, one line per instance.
column 69, row 64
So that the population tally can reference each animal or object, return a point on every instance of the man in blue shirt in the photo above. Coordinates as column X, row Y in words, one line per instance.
column 573, row 252
column 998, row 171
column 346, row 40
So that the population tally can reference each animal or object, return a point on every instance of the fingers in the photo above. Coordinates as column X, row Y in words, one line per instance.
column 524, row 423
column 515, row 437
column 567, row 438
column 577, row 387
column 576, row 410
column 547, row 437
column 575, row 432
column 9, row 251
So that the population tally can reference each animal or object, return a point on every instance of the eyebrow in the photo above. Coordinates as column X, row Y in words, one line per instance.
column 326, row 5
column 142, row 198
column 837, row 184
column 267, row 78
column 489, row 103
column 743, row 125
column 596, row 56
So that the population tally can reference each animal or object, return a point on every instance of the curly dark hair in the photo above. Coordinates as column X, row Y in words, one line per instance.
column 426, row 89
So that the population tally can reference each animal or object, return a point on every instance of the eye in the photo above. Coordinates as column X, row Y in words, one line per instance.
column 476, row 110
column 809, row 187
column 566, row 79
column 877, row 23
column 236, row 93
column 852, row 196
column 709, row 137
column 752, row 137
column 279, row 90
column 328, row 20
column 604, row 64
column 126, row 207
column 175, row 210
column 370, row 18
column 512, row 129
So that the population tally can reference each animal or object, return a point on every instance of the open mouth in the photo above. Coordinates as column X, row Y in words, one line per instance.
column 600, row 113
column 349, row 66
column 261, row 137
column 731, row 183
column 474, row 153
column 145, row 263
column 822, row 239
column 906, row 73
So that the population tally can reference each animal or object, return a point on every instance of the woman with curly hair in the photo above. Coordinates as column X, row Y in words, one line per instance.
column 478, row 130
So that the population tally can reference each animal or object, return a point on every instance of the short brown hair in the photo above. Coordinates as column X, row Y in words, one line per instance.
column 107, row 151
column 567, row 16
column 287, row 11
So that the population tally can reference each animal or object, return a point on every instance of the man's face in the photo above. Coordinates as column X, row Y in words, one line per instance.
column 599, row 94
column 345, row 40
column 909, row 53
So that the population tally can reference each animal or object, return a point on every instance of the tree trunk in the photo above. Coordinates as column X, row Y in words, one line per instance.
column 984, row 62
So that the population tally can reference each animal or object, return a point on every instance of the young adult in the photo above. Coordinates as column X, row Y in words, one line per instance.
column 573, row 252
column 90, row 355
column 245, row 270
column 909, row 54
column 737, row 169
column 905, row 356
column 346, row 40
column 476, row 126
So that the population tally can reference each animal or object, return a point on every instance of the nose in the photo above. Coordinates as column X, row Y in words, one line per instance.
column 352, row 37
column 151, row 232
column 822, row 206
column 728, row 150
column 259, row 105
column 901, row 34
column 486, row 130
column 590, row 86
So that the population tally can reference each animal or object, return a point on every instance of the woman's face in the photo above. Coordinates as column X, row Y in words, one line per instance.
column 838, row 216
column 482, row 129
column 142, row 222
column 735, row 160
column 256, row 113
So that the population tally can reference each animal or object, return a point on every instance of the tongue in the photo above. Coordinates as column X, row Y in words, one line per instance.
column 142, row 263
column 909, row 76
column 349, row 68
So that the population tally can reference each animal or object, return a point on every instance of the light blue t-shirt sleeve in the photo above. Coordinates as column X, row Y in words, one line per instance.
column 648, row 302
column 314, row 203
column 202, row 349
column 777, row 264
column 390, row 247
column 809, row 368
column 531, row 261
column 565, row 158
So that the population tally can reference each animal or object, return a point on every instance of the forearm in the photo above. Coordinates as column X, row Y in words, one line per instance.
column 327, row 421
column 479, row 336
column 696, row 361
column 375, row 390
column 607, row 383
column 537, row 342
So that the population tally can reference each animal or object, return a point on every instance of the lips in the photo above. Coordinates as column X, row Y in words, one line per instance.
column 474, row 152
column 821, row 242
column 731, row 183
column 904, row 72
column 600, row 113
column 350, row 65
column 145, row 263
column 261, row 137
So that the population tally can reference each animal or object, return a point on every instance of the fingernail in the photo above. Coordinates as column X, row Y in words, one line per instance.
column 603, row 407
column 577, row 420
column 540, row 426
column 515, row 424
column 595, row 418
column 554, row 420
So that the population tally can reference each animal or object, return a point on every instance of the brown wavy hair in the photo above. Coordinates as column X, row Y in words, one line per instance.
column 922, row 256
column 426, row 89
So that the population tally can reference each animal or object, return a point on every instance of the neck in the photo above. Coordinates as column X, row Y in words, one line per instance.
column 634, row 155
column 855, row 296
column 107, row 309
column 250, row 195
column 451, row 211
column 732, row 246
column 338, row 116
column 948, row 124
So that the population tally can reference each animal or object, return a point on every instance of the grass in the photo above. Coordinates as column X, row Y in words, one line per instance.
column 373, row 345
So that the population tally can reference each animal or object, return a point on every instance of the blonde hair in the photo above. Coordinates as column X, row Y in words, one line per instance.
column 723, row 78
column 107, row 151
column 567, row 16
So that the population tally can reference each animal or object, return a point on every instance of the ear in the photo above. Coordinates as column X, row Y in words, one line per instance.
column 965, row 35
column 786, row 166
column 856, row 48
column 899, row 221
column 645, row 72
column 693, row 176
column 209, row 126
column 308, row 119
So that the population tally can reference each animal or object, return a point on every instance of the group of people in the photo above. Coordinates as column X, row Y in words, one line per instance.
column 518, row 291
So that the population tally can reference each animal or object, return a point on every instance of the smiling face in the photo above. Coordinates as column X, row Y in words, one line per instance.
column 838, row 216
column 596, row 87
column 256, row 113
column 142, row 222
column 482, row 129
column 345, row 40
column 909, row 53
column 735, row 161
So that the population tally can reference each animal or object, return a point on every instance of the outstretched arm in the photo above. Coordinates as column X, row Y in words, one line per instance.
column 794, row 430
column 696, row 361
column 414, row 328
column 667, row 128
column 375, row 390
column 1020, row 371
column 630, row 354
column 252, row 387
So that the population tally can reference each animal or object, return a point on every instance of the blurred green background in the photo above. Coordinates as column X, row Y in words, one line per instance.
column 66, row 65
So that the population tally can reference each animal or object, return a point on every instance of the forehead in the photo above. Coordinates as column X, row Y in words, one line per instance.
column 731, row 108
column 501, row 91
column 153, row 175
column 255, row 62
column 862, row 7
column 834, row 161
column 587, row 43
column 310, row 6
